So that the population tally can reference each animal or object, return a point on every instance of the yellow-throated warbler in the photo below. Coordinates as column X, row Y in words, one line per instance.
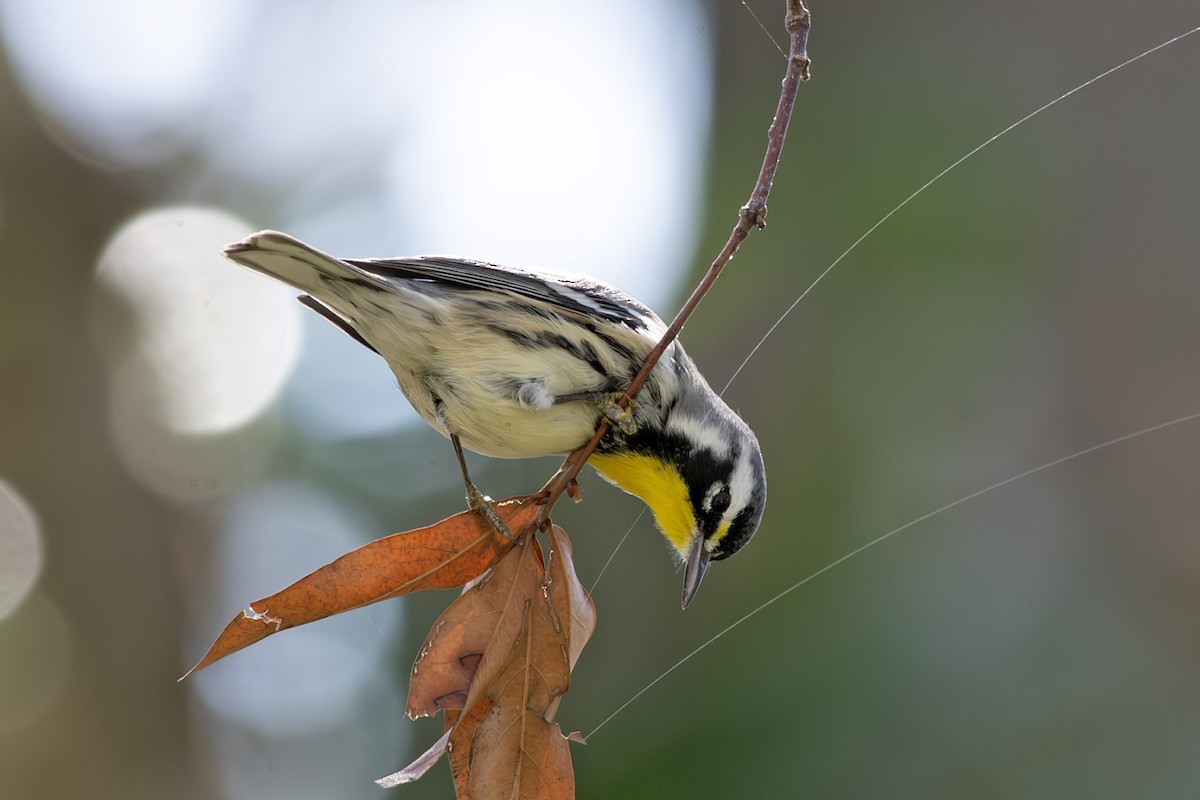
column 514, row 363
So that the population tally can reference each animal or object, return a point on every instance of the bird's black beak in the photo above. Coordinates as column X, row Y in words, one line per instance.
column 693, row 571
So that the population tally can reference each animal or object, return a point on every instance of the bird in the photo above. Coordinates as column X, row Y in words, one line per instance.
column 516, row 363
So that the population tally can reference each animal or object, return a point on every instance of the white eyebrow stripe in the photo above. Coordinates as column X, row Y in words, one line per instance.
column 741, row 483
column 697, row 431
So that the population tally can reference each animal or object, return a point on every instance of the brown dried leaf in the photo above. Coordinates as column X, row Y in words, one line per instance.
column 568, row 600
column 566, row 592
column 475, row 623
column 498, row 662
column 503, row 748
column 527, row 635
column 449, row 553
column 461, row 749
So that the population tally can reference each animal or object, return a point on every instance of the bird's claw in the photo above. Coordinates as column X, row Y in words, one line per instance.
column 621, row 418
column 482, row 505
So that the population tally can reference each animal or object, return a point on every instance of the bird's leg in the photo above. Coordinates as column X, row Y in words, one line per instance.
column 584, row 397
column 477, row 501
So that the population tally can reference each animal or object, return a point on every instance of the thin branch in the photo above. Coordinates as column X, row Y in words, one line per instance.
column 752, row 215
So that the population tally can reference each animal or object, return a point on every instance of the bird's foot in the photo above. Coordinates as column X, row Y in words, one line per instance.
column 482, row 505
column 621, row 418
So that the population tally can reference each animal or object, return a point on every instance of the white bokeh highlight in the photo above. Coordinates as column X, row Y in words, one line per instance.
column 21, row 548
column 120, row 75
column 216, row 342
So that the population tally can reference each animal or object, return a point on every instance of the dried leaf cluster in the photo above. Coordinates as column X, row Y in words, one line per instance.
column 497, row 661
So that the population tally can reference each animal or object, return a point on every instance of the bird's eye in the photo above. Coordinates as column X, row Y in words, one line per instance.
column 721, row 500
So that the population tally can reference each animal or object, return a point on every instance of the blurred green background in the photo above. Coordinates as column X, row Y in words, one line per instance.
column 171, row 446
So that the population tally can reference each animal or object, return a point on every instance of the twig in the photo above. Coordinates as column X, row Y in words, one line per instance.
column 752, row 215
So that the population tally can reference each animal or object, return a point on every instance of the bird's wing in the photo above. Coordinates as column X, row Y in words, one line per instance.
column 579, row 295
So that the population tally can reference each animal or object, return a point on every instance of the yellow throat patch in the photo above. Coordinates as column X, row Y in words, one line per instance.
column 659, row 485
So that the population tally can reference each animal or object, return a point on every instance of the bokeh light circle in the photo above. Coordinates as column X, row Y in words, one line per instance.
column 21, row 549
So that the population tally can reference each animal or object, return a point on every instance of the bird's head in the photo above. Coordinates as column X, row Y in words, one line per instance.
column 703, row 478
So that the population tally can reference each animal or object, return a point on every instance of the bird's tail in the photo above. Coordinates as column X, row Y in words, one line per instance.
column 291, row 261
